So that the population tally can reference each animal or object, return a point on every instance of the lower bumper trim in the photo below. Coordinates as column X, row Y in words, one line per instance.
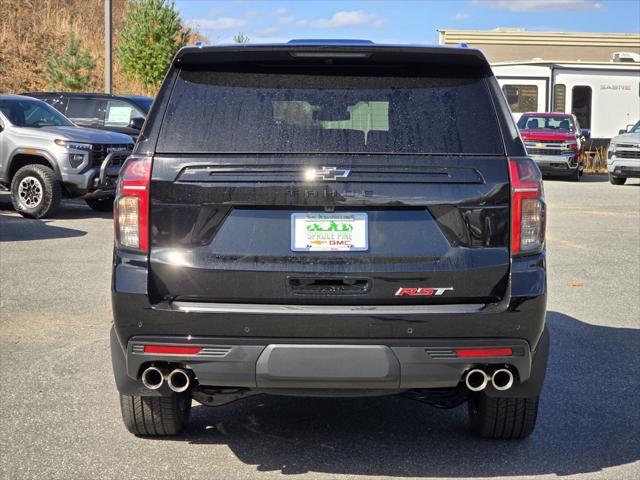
column 391, row 364
column 633, row 172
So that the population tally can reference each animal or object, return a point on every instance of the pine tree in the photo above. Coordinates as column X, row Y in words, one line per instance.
column 70, row 70
column 152, row 35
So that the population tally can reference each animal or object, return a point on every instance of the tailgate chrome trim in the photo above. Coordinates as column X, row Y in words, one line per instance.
column 266, row 309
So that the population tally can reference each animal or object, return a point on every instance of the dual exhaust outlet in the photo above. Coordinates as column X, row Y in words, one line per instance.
column 177, row 379
column 477, row 379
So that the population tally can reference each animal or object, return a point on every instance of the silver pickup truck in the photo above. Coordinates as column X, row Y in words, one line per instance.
column 44, row 156
column 623, row 157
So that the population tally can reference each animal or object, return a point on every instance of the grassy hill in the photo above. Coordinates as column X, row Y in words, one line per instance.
column 28, row 28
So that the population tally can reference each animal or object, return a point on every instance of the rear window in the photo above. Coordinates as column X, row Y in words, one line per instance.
column 232, row 112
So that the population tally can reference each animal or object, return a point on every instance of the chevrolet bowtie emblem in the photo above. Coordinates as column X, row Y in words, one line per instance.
column 326, row 174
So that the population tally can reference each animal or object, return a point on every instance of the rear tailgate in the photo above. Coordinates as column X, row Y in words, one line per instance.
column 369, row 184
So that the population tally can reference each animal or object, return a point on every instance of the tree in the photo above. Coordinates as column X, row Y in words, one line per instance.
column 240, row 37
column 152, row 35
column 71, row 69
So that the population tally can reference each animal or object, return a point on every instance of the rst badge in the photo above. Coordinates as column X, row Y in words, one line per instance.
column 422, row 291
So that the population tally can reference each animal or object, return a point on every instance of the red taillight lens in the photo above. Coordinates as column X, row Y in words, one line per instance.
column 527, row 207
column 484, row 352
column 132, row 204
column 171, row 350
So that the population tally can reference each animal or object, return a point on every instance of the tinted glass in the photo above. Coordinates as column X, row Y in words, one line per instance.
column 84, row 111
column 540, row 122
column 32, row 113
column 267, row 112
column 119, row 113
column 144, row 103
column 636, row 128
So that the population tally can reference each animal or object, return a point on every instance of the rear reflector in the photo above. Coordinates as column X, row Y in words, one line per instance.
column 485, row 352
column 171, row 350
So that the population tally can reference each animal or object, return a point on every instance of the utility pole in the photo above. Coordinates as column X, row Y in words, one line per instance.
column 107, row 46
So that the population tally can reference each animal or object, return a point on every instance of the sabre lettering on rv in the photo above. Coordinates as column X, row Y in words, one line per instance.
column 422, row 291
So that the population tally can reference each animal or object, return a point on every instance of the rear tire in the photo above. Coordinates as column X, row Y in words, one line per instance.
column 155, row 416
column 35, row 191
column 502, row 418
column 617, row 180
column 100, row 204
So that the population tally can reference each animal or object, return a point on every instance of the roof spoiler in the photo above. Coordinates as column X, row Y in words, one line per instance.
column 338, row 49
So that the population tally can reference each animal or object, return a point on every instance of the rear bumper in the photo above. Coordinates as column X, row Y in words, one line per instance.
column 287, row 363
column 316, row 369
column 296, row 347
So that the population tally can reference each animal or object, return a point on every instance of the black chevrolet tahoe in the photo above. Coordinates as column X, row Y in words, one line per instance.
column 330, row 218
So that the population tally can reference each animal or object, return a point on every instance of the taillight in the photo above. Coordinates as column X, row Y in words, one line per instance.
column 132, row 204
column 528, row 209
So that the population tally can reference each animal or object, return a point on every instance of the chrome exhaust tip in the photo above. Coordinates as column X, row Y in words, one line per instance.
column 502, row 379
column 152, row 378
column 476, row 380
column 178, row 380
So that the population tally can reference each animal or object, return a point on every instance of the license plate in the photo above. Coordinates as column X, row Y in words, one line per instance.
column 329, row 232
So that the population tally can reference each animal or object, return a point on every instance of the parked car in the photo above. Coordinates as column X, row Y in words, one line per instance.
column 623, row 156
column 116, row 113
column 44, row 156
column 362, row 220
column 554, row 141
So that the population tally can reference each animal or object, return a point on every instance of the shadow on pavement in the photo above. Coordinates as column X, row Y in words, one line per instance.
column 586, row 178
column 69, row 209
column 589, row 417
column 18, row 229
column 594, row 178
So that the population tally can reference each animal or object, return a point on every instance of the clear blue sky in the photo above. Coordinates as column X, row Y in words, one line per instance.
column 412, row 21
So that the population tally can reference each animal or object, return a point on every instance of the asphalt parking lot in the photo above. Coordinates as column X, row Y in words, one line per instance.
column 59, row 414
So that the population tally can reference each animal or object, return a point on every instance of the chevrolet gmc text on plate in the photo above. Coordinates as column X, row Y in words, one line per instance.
column 330, row 218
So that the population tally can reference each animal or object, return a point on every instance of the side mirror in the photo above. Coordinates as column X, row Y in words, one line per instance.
column 136, row 122
column 585, row 132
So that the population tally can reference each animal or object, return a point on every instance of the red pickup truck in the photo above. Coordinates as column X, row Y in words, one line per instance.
column 554, row 141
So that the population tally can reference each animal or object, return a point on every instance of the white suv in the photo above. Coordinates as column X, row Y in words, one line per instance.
column 623, row 157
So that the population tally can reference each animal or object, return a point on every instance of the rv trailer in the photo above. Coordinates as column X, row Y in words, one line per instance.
column 604, row 96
